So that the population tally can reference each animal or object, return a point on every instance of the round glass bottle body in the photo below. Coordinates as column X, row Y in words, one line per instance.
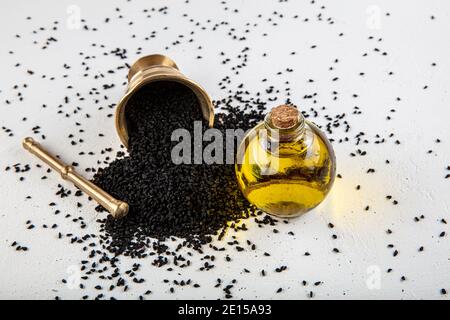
column 285, row 172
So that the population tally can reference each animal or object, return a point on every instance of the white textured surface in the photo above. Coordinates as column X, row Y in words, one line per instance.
column 414, row 177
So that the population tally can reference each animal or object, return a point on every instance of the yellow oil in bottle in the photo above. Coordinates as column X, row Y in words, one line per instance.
column 285, row 165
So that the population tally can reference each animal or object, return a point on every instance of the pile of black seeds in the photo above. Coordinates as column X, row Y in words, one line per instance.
column 191, row 201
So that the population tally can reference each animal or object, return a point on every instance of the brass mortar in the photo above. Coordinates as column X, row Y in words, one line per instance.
column 154, row 68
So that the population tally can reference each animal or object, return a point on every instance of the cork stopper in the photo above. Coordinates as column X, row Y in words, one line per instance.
column 284, row 116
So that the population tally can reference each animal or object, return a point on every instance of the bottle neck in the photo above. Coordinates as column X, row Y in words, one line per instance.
column 281, row 135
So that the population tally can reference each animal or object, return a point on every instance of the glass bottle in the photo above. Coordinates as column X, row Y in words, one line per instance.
column 285, row 165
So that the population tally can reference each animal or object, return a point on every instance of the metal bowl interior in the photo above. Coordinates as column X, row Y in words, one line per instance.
column 205, row 102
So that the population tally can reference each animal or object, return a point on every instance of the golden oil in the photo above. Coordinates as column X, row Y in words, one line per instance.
column 285, row 166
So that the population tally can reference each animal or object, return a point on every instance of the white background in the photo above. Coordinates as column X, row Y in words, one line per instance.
column 415, row 178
